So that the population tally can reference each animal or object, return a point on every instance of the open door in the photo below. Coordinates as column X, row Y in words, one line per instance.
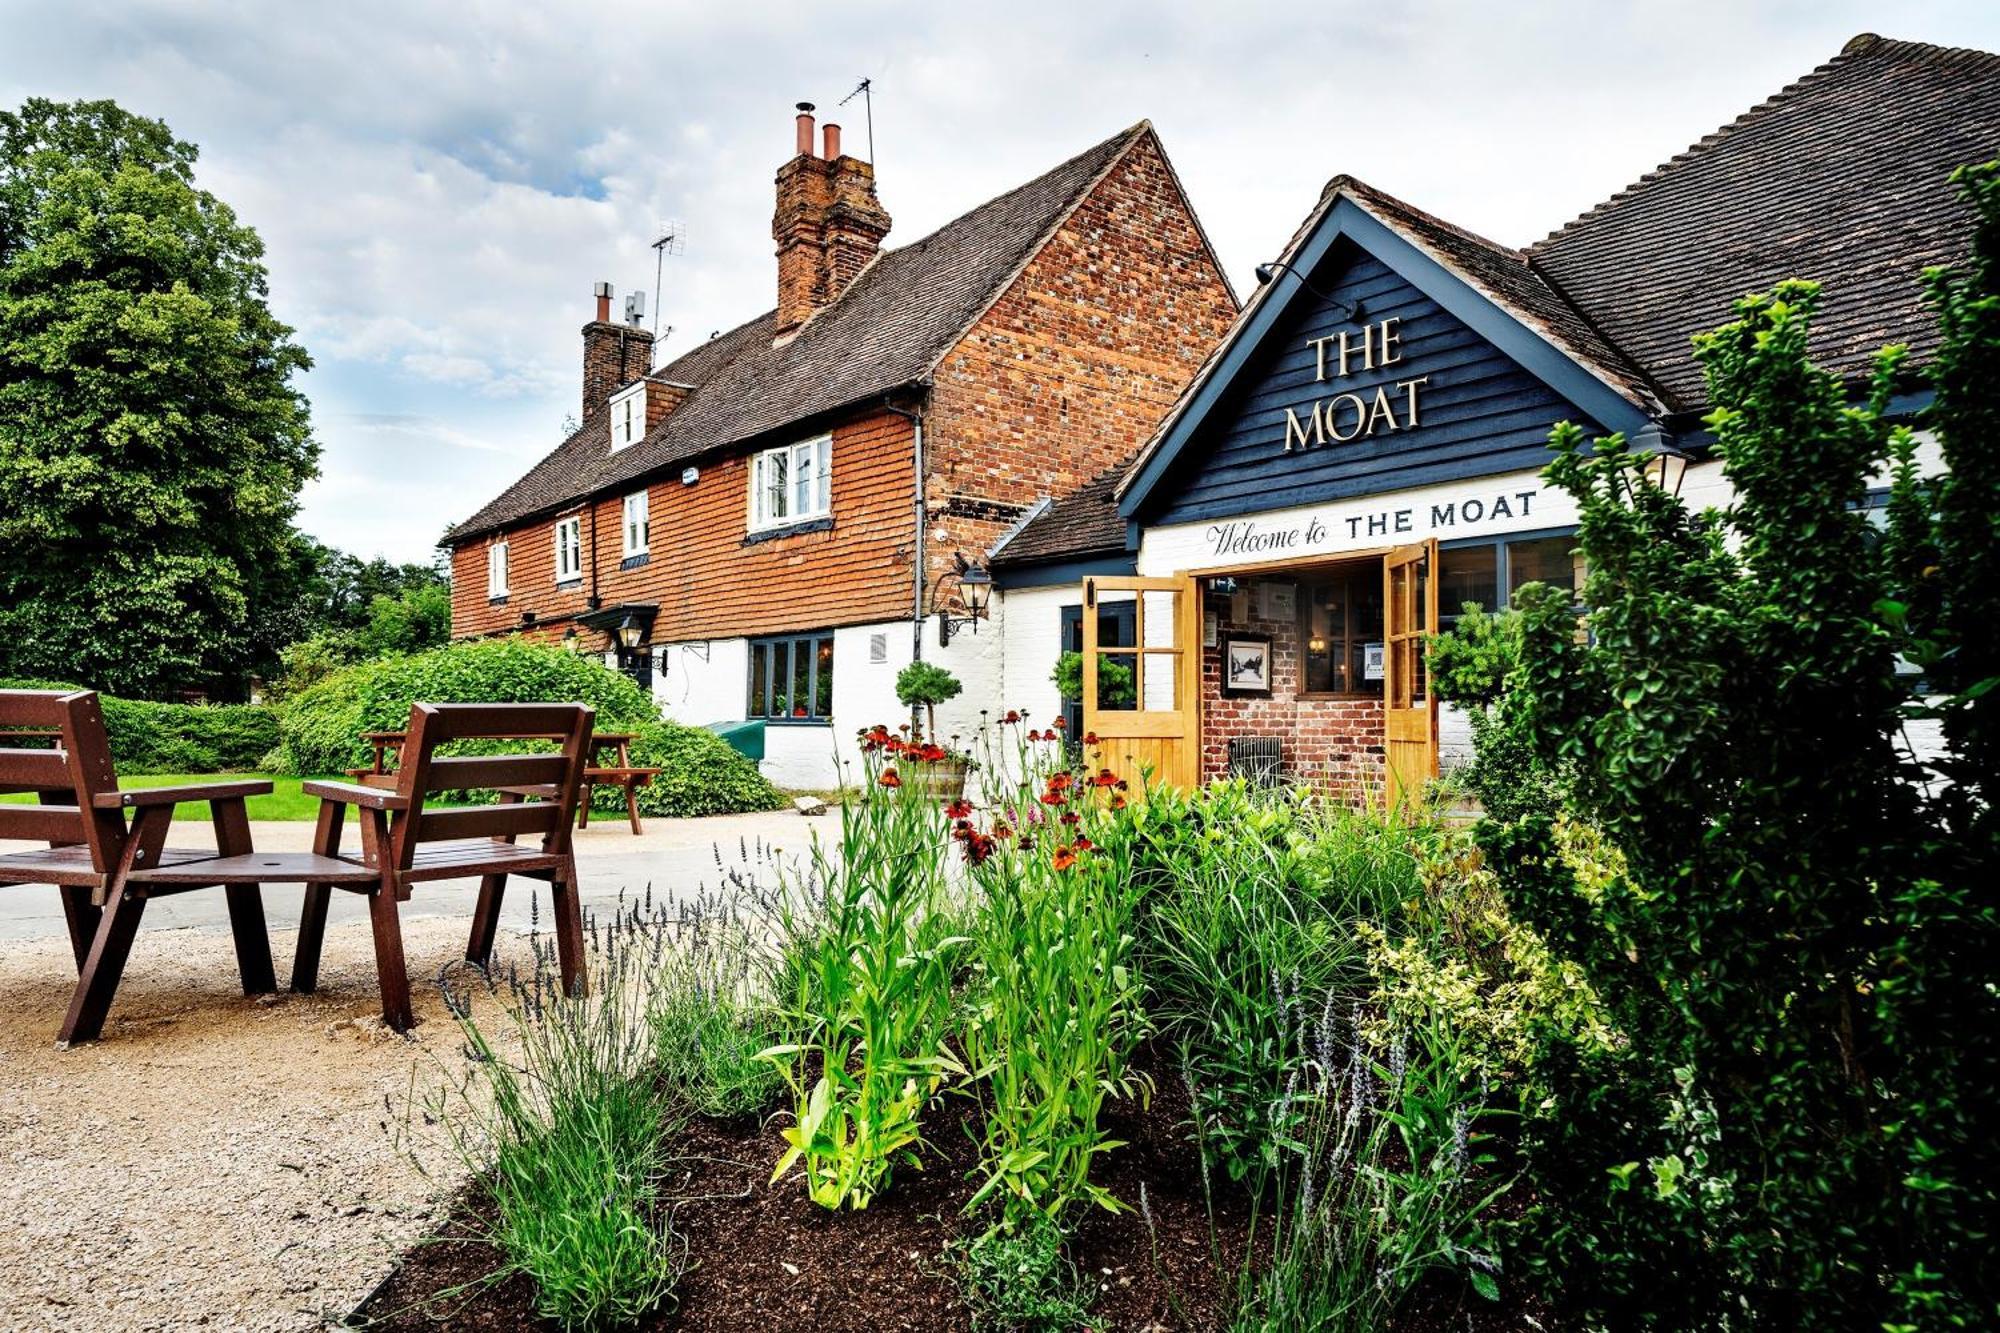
column 1409, row 605
column 1142, row 677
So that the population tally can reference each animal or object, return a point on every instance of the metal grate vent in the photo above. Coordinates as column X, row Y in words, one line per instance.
column 1256, row 758
column 878, row 648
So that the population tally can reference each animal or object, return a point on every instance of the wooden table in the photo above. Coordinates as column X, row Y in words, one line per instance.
column 621, row 772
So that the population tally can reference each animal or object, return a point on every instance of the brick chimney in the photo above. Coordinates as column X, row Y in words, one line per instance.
column 613, row 354
column 828, row 224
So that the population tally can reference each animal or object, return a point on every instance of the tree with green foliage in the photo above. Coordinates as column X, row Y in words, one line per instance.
column 1786, row 927
column 152, row 443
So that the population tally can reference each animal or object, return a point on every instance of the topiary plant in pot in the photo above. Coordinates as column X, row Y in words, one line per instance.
column 927, row 684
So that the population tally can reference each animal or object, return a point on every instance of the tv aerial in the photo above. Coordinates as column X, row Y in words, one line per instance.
column 672, row 240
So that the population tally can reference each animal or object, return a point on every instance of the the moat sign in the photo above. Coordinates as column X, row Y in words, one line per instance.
column 1355, row 414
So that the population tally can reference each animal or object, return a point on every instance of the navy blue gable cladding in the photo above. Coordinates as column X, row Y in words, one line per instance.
column 1478, row 413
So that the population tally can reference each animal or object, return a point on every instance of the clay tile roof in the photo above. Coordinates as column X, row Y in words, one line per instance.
column 1839, row 178
column 1083, row 523
column 886, row 332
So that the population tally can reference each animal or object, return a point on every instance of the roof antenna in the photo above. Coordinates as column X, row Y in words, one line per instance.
column 865, row 90
column 673, row 240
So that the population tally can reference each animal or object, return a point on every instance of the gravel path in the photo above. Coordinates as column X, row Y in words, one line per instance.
column 215, row 1162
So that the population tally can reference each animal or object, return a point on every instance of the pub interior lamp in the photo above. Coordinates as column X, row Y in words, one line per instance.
column 975, row 593
column 630, row 631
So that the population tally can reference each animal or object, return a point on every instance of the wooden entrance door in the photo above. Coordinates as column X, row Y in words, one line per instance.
column 1409, row 608
column 1142, row 677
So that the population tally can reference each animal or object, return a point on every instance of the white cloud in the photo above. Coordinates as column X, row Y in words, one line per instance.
column 439, row 185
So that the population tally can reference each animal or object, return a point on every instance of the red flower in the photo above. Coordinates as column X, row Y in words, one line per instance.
column 1003, row 830
column 1117, row 802
column 928, row 753
column 889, row 778
column 1060, row 724
column 1013, row 716
column 1090, row 738
column 1064, row 858
column 1060, row 781
column 958, row 809
column 1072, row 818
column 1035, row 736
column 1105, row 778
column 978, row 847
column 1083, row 844
column 1052, row 798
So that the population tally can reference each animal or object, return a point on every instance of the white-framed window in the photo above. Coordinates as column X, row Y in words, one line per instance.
column 569, row 548
column 792, row 483
column 496, row 570
column 628, row 416
column 638, row 526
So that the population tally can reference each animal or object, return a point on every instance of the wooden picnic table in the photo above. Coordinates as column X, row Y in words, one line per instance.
column 621, row 772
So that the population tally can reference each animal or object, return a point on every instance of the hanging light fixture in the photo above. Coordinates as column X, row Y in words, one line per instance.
column 975, row 593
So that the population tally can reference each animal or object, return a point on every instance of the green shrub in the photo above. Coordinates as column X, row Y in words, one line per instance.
column 321, row 727
column 1017, row 1280
column 148, row 737
column 1117, row 686
column 1472, row 665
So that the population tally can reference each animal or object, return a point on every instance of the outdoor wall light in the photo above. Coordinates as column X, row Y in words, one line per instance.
column 1268, row 271
column 974, row 586
column 570, row 642
column 1667, row 469
column 630, row 631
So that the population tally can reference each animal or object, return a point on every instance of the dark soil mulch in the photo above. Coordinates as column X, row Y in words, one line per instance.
column 764, row 1259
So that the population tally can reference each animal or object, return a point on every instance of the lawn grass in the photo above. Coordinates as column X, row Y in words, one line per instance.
column 286, row 801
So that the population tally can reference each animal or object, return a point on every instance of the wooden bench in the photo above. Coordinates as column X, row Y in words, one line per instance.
column 106, row 871
column 621, row 772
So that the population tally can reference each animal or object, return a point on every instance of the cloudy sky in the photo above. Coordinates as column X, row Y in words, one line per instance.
column 439, row 185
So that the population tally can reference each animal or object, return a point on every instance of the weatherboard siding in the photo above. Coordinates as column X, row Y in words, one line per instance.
column 1479, row 413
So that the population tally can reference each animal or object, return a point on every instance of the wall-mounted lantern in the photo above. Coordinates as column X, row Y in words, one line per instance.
column 974, row 586
column 570, row 642
column 631, row 631
column 1667, row 468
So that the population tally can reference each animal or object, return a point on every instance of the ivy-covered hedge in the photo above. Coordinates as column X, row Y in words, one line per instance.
column 321, row 726
column 149, row 737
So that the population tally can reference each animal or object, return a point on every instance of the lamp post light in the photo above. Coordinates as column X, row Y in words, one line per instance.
column 975, row 590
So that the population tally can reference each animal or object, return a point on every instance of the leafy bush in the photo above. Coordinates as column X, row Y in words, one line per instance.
column 1117, row 685
column 1472, row 665
column 926, row 685
column 1786, row 934
column 322, row 726
column 149, row 737
column 1017, row 1280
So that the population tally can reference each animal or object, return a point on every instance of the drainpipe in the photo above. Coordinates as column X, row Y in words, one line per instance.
column 916, row 419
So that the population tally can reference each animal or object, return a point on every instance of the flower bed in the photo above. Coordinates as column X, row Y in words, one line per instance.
column 1061, row 1055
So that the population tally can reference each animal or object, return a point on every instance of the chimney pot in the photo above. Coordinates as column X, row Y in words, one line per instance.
column 832, row 133
column 603, row 302
column 805, row 124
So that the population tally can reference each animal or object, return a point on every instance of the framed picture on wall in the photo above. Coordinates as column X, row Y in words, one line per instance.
column 1246, row 663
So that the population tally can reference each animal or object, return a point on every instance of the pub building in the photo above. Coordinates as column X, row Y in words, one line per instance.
column 1361, row 456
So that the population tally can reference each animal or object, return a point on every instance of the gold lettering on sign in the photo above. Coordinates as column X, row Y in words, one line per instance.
column 1355, row 415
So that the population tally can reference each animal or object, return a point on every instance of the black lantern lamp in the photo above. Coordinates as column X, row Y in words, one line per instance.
column 631, row 632
column 1667, row 469
column 975, row 593
column 570, row 642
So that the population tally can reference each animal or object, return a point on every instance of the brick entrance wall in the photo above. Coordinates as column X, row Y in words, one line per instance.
column 1333, row 743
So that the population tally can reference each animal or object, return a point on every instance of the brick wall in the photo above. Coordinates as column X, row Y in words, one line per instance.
column 707, row 580
column 1334, row 743
column 1078, row 360
column 613, row 356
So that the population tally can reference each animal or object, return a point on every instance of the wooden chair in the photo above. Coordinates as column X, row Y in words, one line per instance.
column 403, row 843
column 105, row 870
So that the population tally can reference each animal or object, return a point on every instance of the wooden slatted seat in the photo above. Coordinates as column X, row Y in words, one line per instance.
column 97, row 861
column 403, row 843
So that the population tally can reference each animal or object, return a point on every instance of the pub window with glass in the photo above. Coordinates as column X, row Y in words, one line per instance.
column 791, row 678
column 1488, row 574
column 792, row 483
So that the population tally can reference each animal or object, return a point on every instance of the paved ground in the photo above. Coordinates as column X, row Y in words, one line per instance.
column 222, row 1162
column 672, row 854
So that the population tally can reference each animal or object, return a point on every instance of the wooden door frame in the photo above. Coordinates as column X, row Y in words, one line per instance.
column 1182, row 724
column 1402, row 656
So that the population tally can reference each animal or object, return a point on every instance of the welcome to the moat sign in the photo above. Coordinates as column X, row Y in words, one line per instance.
column 1355, row 415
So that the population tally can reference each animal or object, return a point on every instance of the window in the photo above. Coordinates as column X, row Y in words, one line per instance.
column 496, row 570
column 792, row 483
column 1478, row 573
column 569, row 549
column 1341, row 619
column 638, row 527
column 628, row 416
column 791, row 678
